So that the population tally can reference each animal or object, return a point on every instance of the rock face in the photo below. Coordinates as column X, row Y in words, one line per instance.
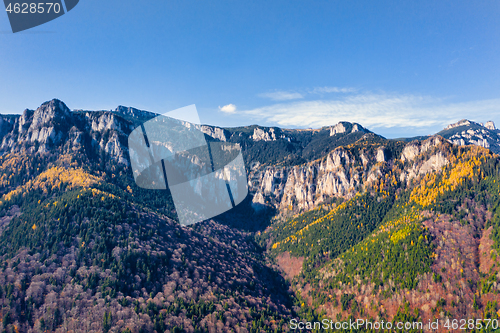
column 463, row 122
column 267, row 134
column 415, row 148
column 53, row 126
column 46, row 126
column 303, row 187
column 346, row 127
column 380, row 154
column 490, row 125
column 339, row 174
column 466, row 132
column 106, row 121
column 215, row 132
column 434, row 163
column 339, row 128
column 50, row 113
column 134, row 114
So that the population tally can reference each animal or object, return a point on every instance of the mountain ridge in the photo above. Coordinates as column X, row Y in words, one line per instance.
column 48, row 111
column 361, row 225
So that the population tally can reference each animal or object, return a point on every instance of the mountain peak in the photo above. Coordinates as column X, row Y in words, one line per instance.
column 490, row 125
column 344, row 126
column 463, row 122
column 53, row 110
column 466, row 132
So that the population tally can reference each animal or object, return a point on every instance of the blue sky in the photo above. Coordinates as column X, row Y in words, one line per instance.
column 400, row 68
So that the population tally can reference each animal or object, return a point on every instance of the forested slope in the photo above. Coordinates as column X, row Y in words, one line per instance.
column 427, row 246
column 374, row 228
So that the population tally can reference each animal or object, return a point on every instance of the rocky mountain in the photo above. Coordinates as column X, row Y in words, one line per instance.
column 339, row 222
column 133, row 114
column 338, row 174
column 89, row 134
column 420, row 242
column 53, row 126
column 335, row 174
column 85, row 250
column 466, row 132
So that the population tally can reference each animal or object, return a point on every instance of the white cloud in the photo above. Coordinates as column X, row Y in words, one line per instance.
column 376, row 111
column 282, row 95
column 326, row 90
column 230, row 108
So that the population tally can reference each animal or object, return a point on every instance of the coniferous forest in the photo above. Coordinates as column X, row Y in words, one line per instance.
column 336, row 226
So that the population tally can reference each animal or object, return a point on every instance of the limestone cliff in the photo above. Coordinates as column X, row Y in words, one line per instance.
column 341, row 174
column 466, row 132
column 54, row 126
column 289, row 170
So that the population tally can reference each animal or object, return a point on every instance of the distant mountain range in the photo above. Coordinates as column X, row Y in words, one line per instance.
column 340, row 223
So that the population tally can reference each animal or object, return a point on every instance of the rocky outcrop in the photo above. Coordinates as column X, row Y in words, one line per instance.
column 114, row 148
column 466, row 138
column 8, row 124
column 47, row 126
column 357, row 128
column 337, row 129
column 215, row 132
column 340, row 174
column 267, row 134
column 105, row 121
column 416, row 148
column 346, row 127
column 260, row 134
column 25, row 120
column 434, row 163
column 305, row 186
column 466, row 132
column 410, row 152
column 463, row 122
column 381, row 155
column 134, row 114
column 50, row 114
column 413, row 150
column 53, row 127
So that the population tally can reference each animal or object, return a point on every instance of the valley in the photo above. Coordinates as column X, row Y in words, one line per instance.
column 340, row 223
